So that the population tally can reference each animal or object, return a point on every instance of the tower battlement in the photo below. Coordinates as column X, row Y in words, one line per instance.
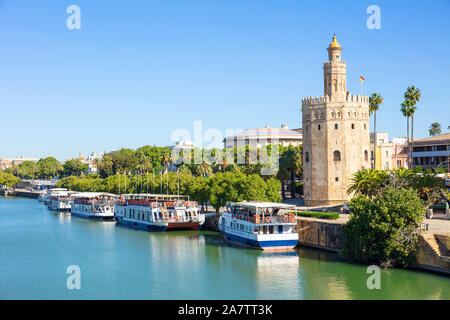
column 310, row 101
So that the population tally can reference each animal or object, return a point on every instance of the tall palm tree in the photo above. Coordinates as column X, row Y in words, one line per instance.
column 406, row 110
column 412, row 94
column 435, row 129
column 375, row 101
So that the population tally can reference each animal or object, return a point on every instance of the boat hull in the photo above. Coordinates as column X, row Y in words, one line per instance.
column 141, row 226
column 182, row 226
column 270, row 245
column 93, row 217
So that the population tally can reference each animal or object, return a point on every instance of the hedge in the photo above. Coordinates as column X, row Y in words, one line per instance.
column 319, row 215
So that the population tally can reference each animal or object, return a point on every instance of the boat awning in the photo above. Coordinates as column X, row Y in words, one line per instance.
column 263, row 205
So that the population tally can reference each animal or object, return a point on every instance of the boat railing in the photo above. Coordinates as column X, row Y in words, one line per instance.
column 262, row 219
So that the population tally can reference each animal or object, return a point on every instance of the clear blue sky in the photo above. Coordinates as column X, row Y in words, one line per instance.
column 137, row 70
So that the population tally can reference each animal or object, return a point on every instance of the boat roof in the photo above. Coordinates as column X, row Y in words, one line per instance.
column 58, row 189
column 158, row 196
column 93, row 194
column 255, row 204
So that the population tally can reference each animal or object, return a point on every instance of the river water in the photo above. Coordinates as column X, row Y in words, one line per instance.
column 37, row 246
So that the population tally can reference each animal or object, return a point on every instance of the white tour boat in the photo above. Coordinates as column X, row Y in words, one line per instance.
column 262, row 225
column 60, row 200
column 45, row 196
column 94, row 205
column 156, row 212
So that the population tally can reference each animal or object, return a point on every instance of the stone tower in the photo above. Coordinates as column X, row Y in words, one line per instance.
column 336, row 135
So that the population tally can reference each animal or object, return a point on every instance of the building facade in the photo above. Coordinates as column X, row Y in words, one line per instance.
column 6, row 163
column 261, row 137
column 336, row 136
column 432, row 152
column 389, row 154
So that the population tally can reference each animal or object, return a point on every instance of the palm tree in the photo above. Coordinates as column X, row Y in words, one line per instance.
column 412, row 94
column 406, row 110
column 435, row 129
column 368, row 182
column 165, row 159
column 204, row 169
column 375, row 101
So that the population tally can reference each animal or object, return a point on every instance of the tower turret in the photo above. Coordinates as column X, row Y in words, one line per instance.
column 335, row 71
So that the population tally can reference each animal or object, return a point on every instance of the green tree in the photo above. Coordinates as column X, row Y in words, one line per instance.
column 375, row 101
column 8, row 179
column 291, row 161
column 49, row 167
column 435, row 129
column 27, row 169
column 273, row 190
column 223, row 189
column 384, row 230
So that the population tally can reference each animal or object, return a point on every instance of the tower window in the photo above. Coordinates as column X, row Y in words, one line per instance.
column 366, row 155
column 318, row 127
column 364, row 126
column 336, row 126
column 336, row 179
column 336, row 156
column 353, row 126
column 307, row 156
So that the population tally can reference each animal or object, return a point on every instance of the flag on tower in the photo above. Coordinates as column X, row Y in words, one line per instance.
column 361, row 79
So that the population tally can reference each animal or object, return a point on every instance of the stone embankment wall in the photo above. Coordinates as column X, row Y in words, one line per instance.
column 322, row 234
column 434, row 252
column 211, row 222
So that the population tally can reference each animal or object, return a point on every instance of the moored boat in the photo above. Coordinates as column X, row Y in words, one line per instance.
column 45, row 196
column 60, row 199
column 94, row 205
column 153, row 212
column 261, row 225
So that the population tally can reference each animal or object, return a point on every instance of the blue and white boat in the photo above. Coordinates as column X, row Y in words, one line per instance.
column 261, row 225
column 156, row 212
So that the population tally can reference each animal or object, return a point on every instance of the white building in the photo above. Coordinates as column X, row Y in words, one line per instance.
column 260, row 137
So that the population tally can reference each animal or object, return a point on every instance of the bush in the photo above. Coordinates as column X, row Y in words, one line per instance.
column 439, row 207
column 384, row 230
column 319, row 215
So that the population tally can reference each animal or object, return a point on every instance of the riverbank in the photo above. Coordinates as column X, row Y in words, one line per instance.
column 433, row 252
column 16, row 192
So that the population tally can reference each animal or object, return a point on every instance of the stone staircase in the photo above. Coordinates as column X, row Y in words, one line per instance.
column 435, row 244
column 433, row 252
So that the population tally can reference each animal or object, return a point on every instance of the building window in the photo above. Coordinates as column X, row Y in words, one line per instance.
column 353, row 126
column 336, row 156
column 336, row 179
column 318, row 127
column 307, row 156
column 366, row 155
column 364, row 126
column 336, row 126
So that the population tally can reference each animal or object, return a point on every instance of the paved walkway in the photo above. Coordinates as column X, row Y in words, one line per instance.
column 438, row 226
